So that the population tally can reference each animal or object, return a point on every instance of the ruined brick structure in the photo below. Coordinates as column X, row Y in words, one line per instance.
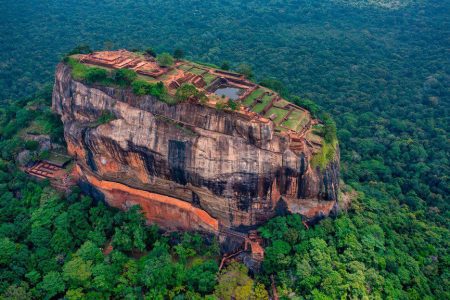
column 191, row 166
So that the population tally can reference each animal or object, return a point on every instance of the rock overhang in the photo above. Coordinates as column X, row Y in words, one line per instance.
column 233, row 165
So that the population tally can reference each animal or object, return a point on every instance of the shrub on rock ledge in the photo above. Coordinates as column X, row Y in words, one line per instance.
column 142, row 87
column 185, row 92
column 124, row 77
column 165, row 59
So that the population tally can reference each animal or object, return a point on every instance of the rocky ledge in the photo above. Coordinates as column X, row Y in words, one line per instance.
column 189, row 166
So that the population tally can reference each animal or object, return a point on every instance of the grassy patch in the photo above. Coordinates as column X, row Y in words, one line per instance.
column 146, row 78
column 294, row 120
column 260, row 106
column 279, row 112
column 281, row 103
column 325, row 155
column 255, row 94
column 303, row 121
column 185, row 67
column 329, row 145
column 208, row 78
column 140, row 84
column 78, row 69
column 89, row 74
column 315, row 138
column 101, row 75
column 197, row 71
column 168, row 74
column 104, row 118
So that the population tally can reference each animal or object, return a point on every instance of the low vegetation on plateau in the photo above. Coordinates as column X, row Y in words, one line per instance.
column 123, row 78
column 327, row 131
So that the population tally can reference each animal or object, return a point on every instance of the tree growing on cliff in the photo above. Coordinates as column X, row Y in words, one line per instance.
column 142, row 87
column 94, row 75
column 81, row 49
column 150, row 52
column 275, row 85
column 232, row 104
column 311, row 106
column 246, row 70
column 165, row 59
column 225, row 66
column 221, row 105
column 124, row 77
column 185, row 92
column 134, row 234
column 178, row 53
column 234, row 283
column 104, row 118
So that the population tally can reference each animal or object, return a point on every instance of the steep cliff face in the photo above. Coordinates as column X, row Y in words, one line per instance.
column 188, row 165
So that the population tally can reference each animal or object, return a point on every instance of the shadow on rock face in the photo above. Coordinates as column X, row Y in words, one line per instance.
column 92, row 191
column 281, row 209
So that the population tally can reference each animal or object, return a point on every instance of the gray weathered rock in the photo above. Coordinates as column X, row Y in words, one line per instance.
column 238, row 172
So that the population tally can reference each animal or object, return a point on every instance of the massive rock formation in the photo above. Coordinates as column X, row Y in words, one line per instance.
column 189, row 166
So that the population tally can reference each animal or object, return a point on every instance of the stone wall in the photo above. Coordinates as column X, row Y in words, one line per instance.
column 234, row 170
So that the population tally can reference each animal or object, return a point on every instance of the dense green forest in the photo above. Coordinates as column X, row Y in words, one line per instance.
column 54, row 244
column 380, row 68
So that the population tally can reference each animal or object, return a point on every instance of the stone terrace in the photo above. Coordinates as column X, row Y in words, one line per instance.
column 123, row 59
column 257, row 103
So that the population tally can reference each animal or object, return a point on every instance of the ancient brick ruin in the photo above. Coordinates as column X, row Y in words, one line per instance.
column 194, row 165
column 255, row 102
column 123, row 59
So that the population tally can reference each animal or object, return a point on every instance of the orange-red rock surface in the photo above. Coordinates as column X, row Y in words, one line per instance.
column 169, row 212
column 189, row 166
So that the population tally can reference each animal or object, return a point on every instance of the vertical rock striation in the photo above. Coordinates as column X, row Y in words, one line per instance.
column 189, row 166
